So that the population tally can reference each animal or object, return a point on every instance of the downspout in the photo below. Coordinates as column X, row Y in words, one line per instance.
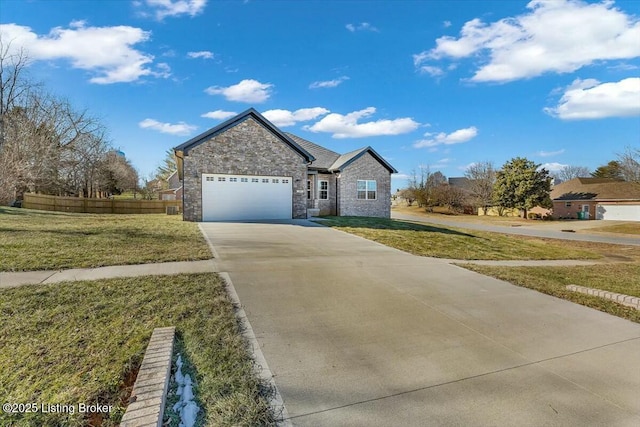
column 180, row 163
column 337, row 190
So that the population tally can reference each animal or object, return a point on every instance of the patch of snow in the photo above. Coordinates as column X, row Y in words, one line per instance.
column 186, row 407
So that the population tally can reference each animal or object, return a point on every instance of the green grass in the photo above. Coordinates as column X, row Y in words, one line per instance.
column 78, row 342
column 456, row 243
column 619, row 278
column 41, row 240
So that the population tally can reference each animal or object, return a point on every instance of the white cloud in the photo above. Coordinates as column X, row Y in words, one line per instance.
column 363, row 26
column 249, row 90
column 283, row 118
column 219, row 114
column 328, row 83
column 590, row 99
column 446, row 24
column 400, row 175
column 467, row 166
column 107, row 52
column 442, row 163
column 204, row 54
column 180, row 128
column 347, row 126
column 431, row 70
column 553, row 167
column 550, row 153
column 558, row 36
column 457, row 137
column 161, row 9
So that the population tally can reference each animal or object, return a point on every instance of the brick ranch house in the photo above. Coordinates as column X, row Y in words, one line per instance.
column 248, row 169
column 597, row 198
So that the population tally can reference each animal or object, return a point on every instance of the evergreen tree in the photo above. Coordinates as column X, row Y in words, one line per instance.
column 610, row 170
column 522, row 185
column 167, row 167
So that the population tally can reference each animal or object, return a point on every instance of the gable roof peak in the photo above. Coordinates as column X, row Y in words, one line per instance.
column 233, row 121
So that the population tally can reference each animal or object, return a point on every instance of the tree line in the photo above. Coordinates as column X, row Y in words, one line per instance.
column 519, row 184
column 48, row 146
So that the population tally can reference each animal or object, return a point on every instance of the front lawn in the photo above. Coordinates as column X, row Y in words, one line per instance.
column 41, row 240
column 629, row 228
column 84, row 341
column 619, row 278
column 457, row 243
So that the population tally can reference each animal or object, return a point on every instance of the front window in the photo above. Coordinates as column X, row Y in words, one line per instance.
column 367, row 189
column 324, row 190
column 308, row 189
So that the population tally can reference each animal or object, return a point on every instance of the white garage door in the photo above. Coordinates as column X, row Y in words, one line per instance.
column 618, row 212
column 246, row 197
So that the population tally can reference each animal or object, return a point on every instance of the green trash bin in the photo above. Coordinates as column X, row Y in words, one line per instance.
column 580, row 215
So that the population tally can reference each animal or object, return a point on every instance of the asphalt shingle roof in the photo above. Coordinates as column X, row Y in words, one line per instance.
column 324, row 157
column 596, row 189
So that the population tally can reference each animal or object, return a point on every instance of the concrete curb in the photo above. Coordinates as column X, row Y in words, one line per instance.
column 150, row 389
column 629, row 301
column 264, row 372
column 211, row 247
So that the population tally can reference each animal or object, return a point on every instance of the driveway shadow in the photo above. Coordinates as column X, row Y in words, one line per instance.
column 389, row 224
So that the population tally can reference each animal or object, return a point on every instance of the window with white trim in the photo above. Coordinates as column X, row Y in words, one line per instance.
column 567, row 204
column 233, row 179
column 222, row 179
column 265, row 180
column 275, row 181
column 324, row 190
column 244, row 179
column 308, row 189
column 254, row 180
column 285, row 181
column 367, row 189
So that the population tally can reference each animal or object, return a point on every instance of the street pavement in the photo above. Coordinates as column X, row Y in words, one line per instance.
column 583, row 236
column 356, row 333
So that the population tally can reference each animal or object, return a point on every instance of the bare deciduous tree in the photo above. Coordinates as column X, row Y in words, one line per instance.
column 629, row 162
column 570, row 172
column 46, row 145
column 423, row 186
column 451, row 196
column 481, row 180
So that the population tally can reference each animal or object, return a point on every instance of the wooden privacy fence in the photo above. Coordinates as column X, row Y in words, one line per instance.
column 99, row 206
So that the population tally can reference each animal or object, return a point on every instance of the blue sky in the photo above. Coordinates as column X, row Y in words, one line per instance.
column 438, row 83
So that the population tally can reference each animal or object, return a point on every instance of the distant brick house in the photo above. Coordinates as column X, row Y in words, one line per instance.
column 174, row 192
column 597, row 198
column 246, row 168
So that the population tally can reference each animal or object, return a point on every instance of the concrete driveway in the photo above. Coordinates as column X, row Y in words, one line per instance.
column 357, row 333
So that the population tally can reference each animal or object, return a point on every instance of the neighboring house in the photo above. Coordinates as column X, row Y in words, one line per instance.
column 460, row 182
column 597, row 198
column 246, row 168
column 174, row 190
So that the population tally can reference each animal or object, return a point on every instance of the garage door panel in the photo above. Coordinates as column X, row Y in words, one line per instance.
column 618, row 212
column 246, row 197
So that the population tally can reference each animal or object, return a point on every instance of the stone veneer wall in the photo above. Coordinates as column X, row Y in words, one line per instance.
column 366, row 167
column 247, row 148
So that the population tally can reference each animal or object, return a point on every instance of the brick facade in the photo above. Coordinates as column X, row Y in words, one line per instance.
column 561, row 210
column 365, row 167
column 247, row 148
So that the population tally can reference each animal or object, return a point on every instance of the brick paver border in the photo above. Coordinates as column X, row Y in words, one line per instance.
column 150, row 389
column 619, row 298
